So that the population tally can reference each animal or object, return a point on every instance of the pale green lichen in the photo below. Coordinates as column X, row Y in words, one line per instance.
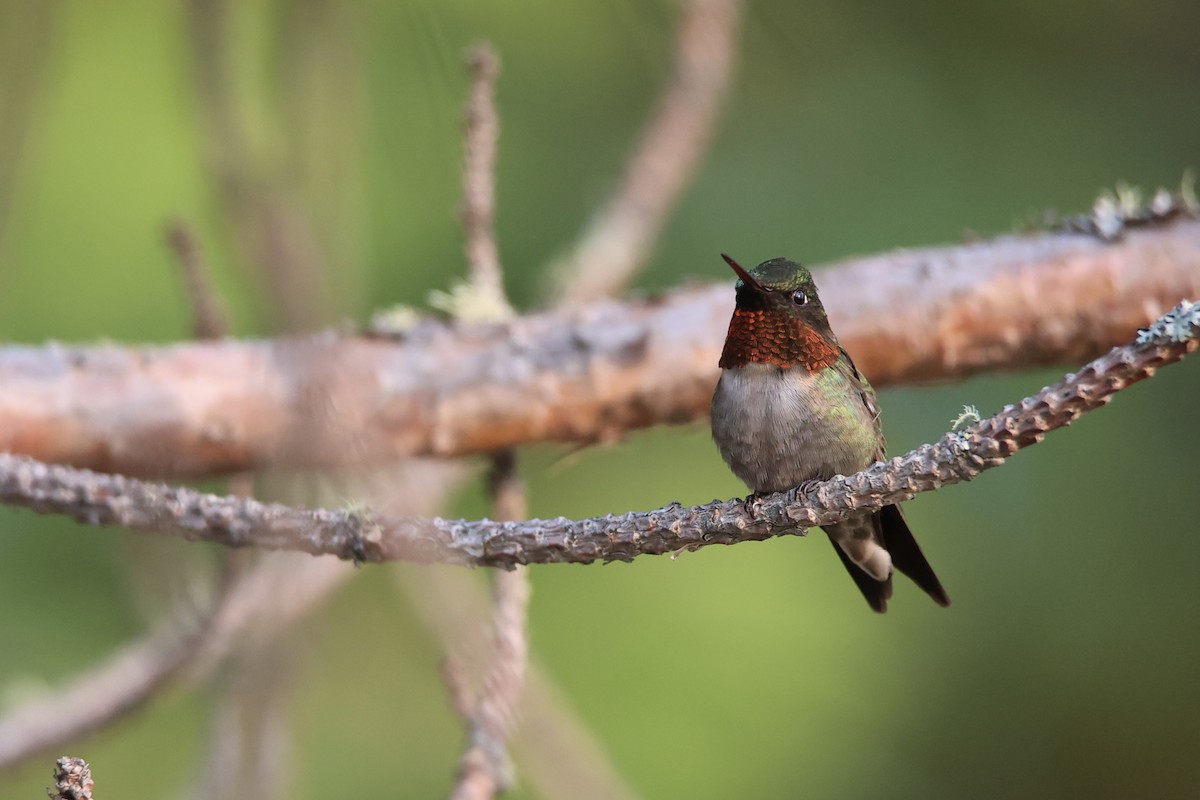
column 1129, row 199
column 395, row 319
column 356, row 507
column 472, row 302
column 969, row 416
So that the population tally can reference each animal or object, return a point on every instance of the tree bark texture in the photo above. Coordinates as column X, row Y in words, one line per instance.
column 579, row 375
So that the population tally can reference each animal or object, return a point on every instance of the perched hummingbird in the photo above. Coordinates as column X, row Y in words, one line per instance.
column 791, row 407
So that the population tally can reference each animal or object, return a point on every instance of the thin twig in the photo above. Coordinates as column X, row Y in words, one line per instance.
column 484, row 768
column 481, row 134
column 270, row 231
column 247, row 748
column 586, row 375
column 249, row 744
column 559, row 755
column 281, row 591
column 350, row 534
column 462, row 697
column 619, row 241
column 209, row 318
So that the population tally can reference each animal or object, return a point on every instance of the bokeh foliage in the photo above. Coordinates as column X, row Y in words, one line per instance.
column 1067, row 665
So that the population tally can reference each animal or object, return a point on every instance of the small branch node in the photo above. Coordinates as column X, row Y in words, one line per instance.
column 72, row 780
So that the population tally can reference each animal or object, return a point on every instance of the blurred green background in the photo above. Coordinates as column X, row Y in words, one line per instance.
column 1067, row 665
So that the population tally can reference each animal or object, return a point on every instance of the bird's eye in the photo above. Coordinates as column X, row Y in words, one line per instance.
column 799, row 297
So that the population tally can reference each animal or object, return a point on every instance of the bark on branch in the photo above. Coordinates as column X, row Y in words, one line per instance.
column 116, row 500
column 484, row 769
column 72, row 780
column 581, row 375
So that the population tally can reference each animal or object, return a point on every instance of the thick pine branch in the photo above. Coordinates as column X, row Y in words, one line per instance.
column 115, row 500
column 583, row 375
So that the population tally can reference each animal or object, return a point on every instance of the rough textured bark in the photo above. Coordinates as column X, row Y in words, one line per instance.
column 581, row 375
column 351, row 534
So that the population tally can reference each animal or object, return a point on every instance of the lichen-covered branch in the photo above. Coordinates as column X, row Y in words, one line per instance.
column 99, row 499
column 584, row 375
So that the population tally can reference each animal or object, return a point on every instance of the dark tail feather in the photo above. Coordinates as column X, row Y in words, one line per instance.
column 906, row 554
column 876, row 592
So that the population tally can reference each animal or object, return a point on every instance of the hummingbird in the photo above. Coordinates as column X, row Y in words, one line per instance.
column 791, row 407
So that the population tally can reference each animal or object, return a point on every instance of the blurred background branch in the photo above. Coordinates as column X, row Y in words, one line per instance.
column 26, row 53
column 248, row 748
column 210, row 320
column 261, row 600
column 557, row 752
column 269, row 188
column 481, row 127
column 118, row 685
column 620, row 238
